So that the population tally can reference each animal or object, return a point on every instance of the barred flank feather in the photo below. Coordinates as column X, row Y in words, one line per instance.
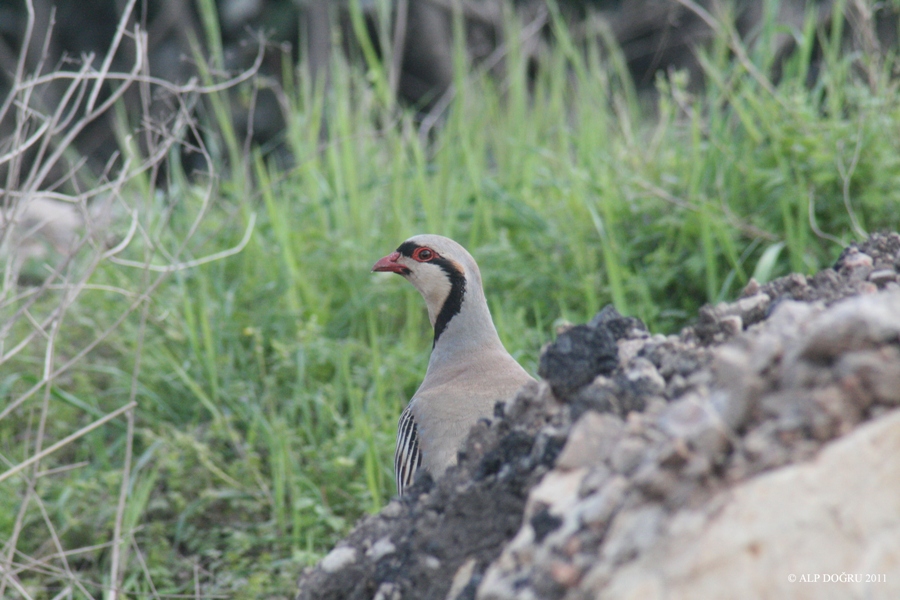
column 407, row 457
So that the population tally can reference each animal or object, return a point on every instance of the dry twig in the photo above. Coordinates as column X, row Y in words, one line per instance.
column 41, row 167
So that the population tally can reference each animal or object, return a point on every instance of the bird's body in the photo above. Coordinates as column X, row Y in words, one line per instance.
column 469, row 370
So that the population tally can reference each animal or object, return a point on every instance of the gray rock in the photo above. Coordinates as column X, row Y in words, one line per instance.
column 381, row 548
column 734, row 405
column 642, row 375
column 752, row 309
column 855, row 264
column 392, row 510
column 596, row 510
column 629, row 348
column 618, row 396
column 882, row 277
column 837, row 515
column 751, row 289
column 595, row 479
column 698, row 423
column 657, row 481
column 632, row 532
column 591, row 441
column 628, row 454
column 725, row 320
column 387, row 591
column 337, row 559
column 871, row 376
column 858, row 323
column 461, row 579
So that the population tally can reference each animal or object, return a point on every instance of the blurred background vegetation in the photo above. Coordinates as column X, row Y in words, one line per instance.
column 194, row 193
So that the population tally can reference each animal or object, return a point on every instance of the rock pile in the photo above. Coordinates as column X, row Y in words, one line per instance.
column 706, row 464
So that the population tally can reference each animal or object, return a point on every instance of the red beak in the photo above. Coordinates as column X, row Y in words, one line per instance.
column 389, row 264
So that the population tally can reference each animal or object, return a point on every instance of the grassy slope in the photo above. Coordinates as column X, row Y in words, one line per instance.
column 270, row 381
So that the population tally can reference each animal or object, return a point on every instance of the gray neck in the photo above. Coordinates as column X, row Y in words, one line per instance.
column 470, row 330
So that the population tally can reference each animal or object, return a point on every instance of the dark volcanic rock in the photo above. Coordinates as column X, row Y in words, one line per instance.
column 543, row 523
column 620, row 327
column 583, row 352
column 577, row 356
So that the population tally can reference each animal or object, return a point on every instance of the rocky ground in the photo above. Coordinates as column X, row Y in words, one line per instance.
column 756, row 454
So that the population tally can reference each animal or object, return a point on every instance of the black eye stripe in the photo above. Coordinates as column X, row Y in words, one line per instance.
column 407, row 248
column 417, row 252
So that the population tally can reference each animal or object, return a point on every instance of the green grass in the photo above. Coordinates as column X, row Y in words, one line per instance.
column 270, row 381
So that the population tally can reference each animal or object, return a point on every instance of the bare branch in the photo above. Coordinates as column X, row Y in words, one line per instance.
column 110, row 54
column 248, row 233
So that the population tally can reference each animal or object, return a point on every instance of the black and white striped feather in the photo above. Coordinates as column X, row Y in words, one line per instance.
column 407, row 456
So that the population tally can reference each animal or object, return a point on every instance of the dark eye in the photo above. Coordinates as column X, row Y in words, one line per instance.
column 423, row 254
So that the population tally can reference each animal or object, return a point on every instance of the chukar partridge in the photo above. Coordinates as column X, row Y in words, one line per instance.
column 469, row 369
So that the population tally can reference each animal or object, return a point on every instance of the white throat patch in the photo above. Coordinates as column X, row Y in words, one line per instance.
column 434, row 285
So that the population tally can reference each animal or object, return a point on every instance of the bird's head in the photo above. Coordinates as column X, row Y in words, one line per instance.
column 442, row 271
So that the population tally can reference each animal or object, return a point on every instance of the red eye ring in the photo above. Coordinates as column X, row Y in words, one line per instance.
column 424, row 254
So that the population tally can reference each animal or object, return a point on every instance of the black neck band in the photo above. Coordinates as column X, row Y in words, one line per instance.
column 453, row 303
